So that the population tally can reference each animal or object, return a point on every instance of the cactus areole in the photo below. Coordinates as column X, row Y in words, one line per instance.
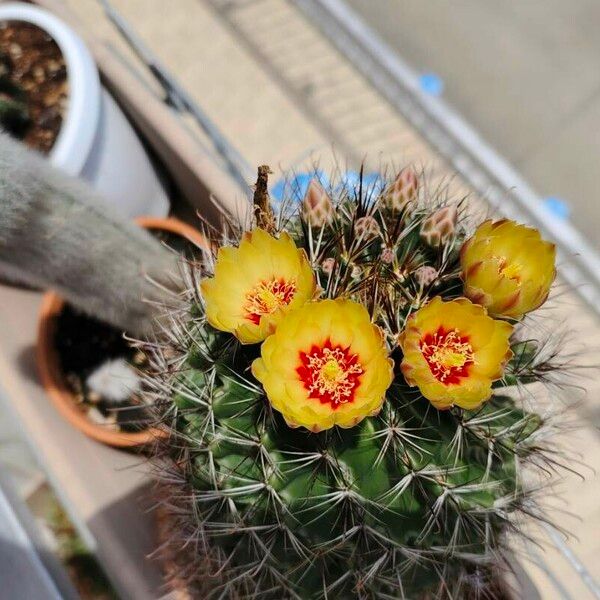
column 340, row 425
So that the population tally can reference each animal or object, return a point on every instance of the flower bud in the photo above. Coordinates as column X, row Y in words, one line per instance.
column 439, row 227
column 317, row 208
column 425, row 275
column 508, row 268
column 387, row 256
column 402, row 192
column 328, row 265
column 366, row 228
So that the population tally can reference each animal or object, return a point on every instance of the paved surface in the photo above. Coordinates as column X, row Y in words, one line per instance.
column 525, row 74
column 15, row 455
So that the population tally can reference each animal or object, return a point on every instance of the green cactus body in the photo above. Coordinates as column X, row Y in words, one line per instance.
column 412, row 492
column 411, row 503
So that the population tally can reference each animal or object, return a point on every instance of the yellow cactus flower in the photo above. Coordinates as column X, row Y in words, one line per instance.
column 508, row 268
column 325, row 365
column 453, row 351
column 256, row 284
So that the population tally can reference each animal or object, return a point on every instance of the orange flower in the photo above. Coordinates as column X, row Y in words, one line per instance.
column 453, row 351
column 325, row 365
column 507, row 268
column 256, row 284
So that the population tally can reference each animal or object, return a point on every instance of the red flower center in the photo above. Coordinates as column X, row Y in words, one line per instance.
column 448, row 354
column 268, row 296
column 330, row 374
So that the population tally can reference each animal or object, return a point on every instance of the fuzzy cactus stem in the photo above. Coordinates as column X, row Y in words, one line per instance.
column 55, row 232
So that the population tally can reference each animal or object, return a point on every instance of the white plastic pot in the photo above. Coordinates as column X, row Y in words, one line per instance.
column 96, row 142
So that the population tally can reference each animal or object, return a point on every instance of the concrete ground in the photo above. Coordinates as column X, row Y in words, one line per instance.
column 15, row 456
column 525, row 74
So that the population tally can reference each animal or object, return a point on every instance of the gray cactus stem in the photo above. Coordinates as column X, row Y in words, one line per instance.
column 55, row 232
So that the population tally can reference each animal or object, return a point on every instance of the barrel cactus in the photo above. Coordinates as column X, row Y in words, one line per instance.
column 344, row 421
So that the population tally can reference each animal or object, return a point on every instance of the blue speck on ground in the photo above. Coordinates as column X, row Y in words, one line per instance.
column 558, row 207
column 432, row 84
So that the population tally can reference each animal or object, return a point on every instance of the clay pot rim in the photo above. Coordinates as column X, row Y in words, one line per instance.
column 47, row 359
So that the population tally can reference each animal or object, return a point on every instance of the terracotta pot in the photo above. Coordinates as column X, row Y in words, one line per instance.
column 48, row 364
column 173, row 225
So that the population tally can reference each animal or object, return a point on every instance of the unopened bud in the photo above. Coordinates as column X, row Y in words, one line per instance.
column 439, row 227
column 366, row 227
column 425, row 275
column 328, row 265
column 402, row 192
column 387, row 256
column 317, row 208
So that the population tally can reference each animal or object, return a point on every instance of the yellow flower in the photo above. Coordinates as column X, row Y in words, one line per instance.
column 256, row 284
column 453, row 351
column 325, row 365
column 507, row 268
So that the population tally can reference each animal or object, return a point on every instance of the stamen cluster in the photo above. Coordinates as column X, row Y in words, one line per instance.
column 268, row 296
column 448, row 354
column 330, row 374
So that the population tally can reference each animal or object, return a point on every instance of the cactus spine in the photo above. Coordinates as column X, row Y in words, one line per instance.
column 411, row 503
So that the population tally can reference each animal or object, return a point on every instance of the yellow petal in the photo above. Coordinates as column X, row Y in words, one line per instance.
column 344, row 353
column 507, row 268
column 256, row 284
column 453, row 351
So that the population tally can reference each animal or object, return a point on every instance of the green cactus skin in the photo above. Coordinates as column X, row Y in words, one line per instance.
column 413, row 503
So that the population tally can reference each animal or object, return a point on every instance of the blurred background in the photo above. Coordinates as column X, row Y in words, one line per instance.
column 524, row 74
column 502, row 96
